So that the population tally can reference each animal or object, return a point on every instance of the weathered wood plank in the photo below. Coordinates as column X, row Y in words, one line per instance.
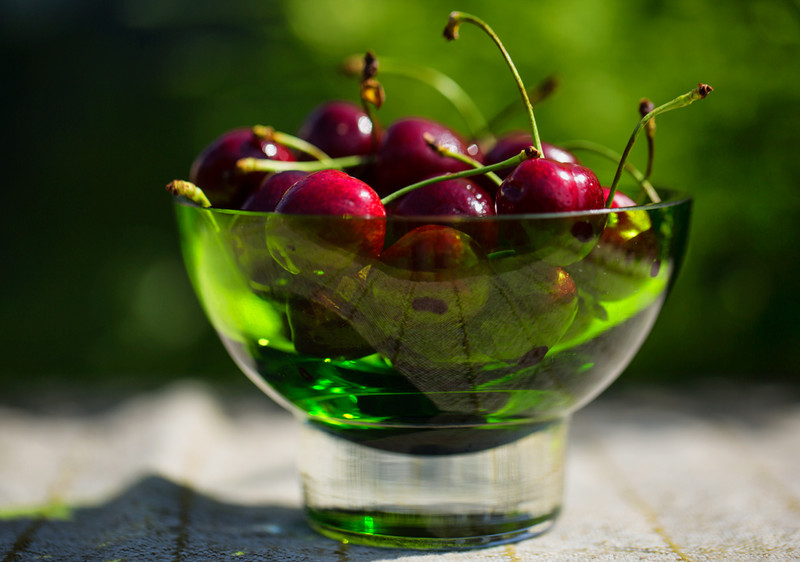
column 179, row 475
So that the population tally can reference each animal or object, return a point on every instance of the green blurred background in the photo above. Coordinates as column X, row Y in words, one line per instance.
column 104, row 102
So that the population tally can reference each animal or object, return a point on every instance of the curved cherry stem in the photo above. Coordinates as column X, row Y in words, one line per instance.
column 526, row 154
column 698, row 93
column 614, row 156
column 451, row 33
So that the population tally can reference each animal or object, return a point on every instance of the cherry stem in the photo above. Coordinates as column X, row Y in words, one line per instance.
column 528, row 153
column 451, row 33
column 289, row 141
column 181, row 188
column 447, row 153
column 446, row 86
column 645, row 107
column 698, row 93
column 614, row 156
column 244, row 165
column 371, row 94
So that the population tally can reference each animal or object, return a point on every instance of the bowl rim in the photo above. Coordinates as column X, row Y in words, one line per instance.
column 669, row 198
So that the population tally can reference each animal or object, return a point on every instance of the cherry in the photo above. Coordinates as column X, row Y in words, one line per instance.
column 459, row 197
column 541, row 185
column 331, row 192
column 432, row 249
column 343, row 222
column 266, row 197
column 405, row 156
column 511, row 143
column 214, row 169
column 339, row 129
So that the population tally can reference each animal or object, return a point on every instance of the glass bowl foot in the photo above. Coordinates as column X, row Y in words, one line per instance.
column 366, row 495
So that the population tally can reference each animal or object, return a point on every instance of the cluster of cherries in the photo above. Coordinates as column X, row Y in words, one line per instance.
column 342, row 163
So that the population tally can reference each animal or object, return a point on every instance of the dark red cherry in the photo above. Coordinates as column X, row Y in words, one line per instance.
column 214, row 169
column 404, row 156
column 269, row 193
column 338, row 128
column 513, row 143
column 333, row 192
column 460, row 197
column 541, row 185
column 433, row 248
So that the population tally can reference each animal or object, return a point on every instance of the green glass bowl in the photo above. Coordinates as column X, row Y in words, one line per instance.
column 425, row 376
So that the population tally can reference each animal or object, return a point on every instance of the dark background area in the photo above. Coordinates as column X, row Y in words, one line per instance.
column 105, row 101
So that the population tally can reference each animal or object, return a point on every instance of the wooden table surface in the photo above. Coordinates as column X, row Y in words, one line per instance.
column 711, row 473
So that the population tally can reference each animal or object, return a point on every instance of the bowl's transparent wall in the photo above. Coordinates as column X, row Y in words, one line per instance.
column 522, row 320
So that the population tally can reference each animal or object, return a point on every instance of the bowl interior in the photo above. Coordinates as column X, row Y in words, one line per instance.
column 448, row 323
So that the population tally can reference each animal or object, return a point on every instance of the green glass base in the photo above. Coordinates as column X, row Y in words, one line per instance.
column 487, row 496
column 428, row 532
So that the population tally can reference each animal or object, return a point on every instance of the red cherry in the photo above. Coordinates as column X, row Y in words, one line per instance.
column 404, row 156
column 541, row 185
column 461, row 197
column 333, row 192
column 338, row 128
column 214, row 169
column 269, row 193
column 433, row 248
